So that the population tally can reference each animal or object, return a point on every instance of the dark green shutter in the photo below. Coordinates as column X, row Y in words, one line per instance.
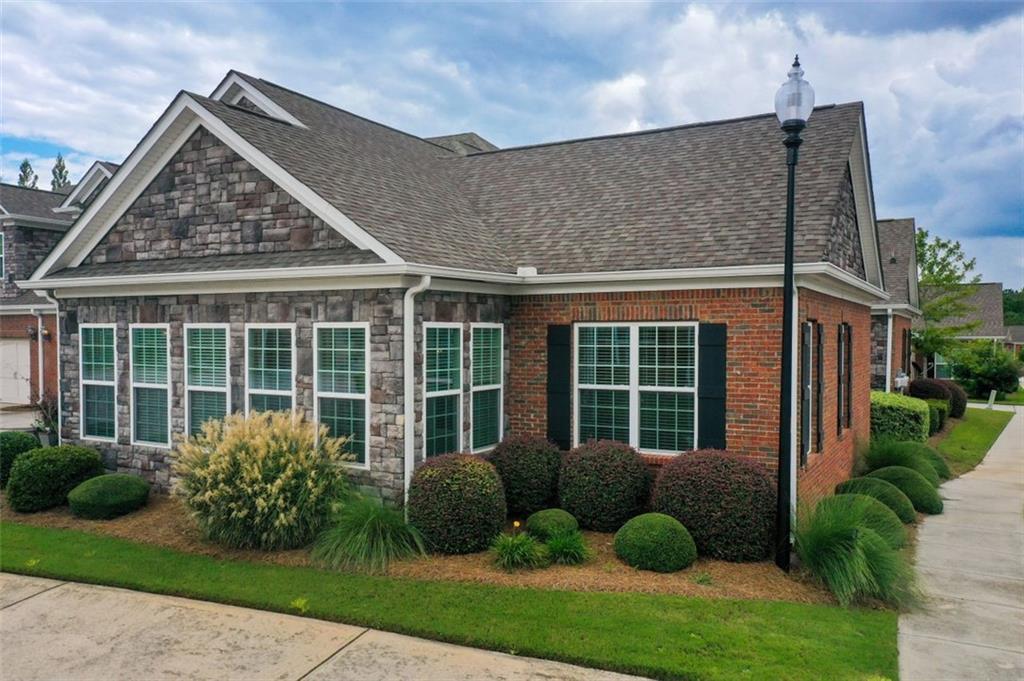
column 819, row 392
column 840, row 377
column 849, row 375
column 711, row 384
column 559, row 390
column 805, row 392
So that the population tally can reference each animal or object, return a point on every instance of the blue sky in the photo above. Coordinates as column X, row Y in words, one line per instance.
column 943, row 83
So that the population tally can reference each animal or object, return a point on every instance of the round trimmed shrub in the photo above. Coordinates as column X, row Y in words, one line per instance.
column 108, row 496
column 13, row 443
column 727, row 503
column 923, row 453
column 41, row 478
column 655, row 541
column 603, row 484
column 547, row 523
column 457, row 503
column 884, row 453
column 886, row 492
column 528, row 466
column 929, row 389
column 958, row 399
column 942, row 412
column 870, row 513
column 922, row 494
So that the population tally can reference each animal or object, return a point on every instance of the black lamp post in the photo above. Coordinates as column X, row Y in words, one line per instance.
column 793, row 105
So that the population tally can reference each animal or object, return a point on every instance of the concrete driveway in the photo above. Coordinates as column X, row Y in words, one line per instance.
column 68, row 631
column 970, row 561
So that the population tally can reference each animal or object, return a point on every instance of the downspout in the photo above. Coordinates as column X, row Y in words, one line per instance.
column 60, row 385
column 39, row 354
column 409, row 378
column 888, row 351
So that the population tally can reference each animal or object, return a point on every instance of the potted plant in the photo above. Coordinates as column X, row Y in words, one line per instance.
column 47, row 420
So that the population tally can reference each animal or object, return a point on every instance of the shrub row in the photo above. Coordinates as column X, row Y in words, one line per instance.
column 42, row 478
column 897, row 417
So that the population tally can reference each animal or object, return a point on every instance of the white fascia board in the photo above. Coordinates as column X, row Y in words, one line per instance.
column 902, row 309
column 863, row 192
column 234, row 87
column 52, row 224
column 44, row 306
column 96, row 174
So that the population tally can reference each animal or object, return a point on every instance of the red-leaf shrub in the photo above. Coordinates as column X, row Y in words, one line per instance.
column 528, row 466
column 603, row 483
column 958, row 401
column 457, row 503
column 929, row 389
column 726, row 502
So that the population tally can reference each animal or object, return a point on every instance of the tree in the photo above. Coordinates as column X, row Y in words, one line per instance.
column 1013, row 307
column 26, row 176
column 60, row 174
column 946, row 281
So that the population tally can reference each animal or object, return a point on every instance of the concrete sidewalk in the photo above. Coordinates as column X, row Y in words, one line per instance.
column 63, row 630
column 970, row 561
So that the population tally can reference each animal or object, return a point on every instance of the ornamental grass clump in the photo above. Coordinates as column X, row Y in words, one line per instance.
column 367, row 536
column 263, row 481
column 872, row 514
column 568, row 547
column 886, row 492
column 883, row 453
column 518, row 551
column 922, row 494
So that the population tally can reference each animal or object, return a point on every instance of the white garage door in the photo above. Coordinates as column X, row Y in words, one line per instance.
column 15, row 365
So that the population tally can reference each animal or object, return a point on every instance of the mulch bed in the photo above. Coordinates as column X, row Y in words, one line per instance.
column 164, row 522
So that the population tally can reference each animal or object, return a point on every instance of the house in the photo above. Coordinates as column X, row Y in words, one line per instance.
column 1015, row 339
column 260, row 249
column 983, row 321
column 891, row 321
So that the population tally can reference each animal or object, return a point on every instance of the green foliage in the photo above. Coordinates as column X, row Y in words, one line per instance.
column 41, row 478
column 883, row 453
column 655, row 541
column 59, row 173
column 726, row 502
column 108, row 496
column 958, row 399
column 1013, row 307
column 267, row 480
column 872, row 514
column 366, row 536
column 13, row 443
column 457, row 502
column 518, row 551
column 603, row 484
column 938, row 412
column 922, row 494
column 929, row 389
column 886, row 492
column 922, row 451
column 983, row 366
column 528, row 467
column 545, row 524
column 568, row 547
column 849, row 558
column 26, row 175
column 945, row 283
column 897, row 417
column 933, row 420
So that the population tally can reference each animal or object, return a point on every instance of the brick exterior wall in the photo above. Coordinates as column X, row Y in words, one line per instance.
column 207, row 201
column 24, row 249
column 843, row 247
column 17, row 326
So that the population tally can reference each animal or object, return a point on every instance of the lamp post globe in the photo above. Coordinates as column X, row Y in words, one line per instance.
column 794, row 103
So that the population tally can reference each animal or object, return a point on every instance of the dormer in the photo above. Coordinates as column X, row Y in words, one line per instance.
column 238, row 90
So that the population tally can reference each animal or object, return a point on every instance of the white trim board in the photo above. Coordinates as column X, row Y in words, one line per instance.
column 234, row 87
column 460, row 428
column 364, row 397
column 226, row 390
column 82, row 382
column 97, row 173
column 168, row 386
column 291, row 326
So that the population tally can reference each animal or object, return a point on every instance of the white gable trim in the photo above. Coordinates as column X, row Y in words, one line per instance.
column 233, row 88
column 863, row 194
column 96, row 174
column 170, row 132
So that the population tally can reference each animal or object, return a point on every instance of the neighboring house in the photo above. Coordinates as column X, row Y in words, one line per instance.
column 892, row 320
column 985, row 307
column 1015, row 339
column 261, row 250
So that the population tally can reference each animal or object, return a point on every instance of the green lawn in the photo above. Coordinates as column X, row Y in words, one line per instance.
column 970, row 439
column 1013, row 398
column 653, row 635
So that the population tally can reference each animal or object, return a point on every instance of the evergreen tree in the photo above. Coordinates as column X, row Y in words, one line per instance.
column 26, row 176
column 60, row 174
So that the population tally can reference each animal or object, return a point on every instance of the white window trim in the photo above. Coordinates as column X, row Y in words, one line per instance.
column 364, row 396
column 500, row 385
column 442, row 393
column 82, row 382
column 226, row 390
column 282, row 393
column 166, row 386
column 633, row 387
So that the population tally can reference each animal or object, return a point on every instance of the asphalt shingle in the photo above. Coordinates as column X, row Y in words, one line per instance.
column 896, row 242
column 36, row 203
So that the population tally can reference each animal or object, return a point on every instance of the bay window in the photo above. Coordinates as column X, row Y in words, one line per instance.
column 342, row 367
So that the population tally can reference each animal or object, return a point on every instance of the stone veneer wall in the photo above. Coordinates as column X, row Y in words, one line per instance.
column 879, row 340
column 844, row 237
column 24, row 250
column 206, row 201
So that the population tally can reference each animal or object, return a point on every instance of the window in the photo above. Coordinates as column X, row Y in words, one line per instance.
column 486, row 389
column 269, row 367
column 3, row 261
column 207, row 374
column 342, row 368
column 151, row 385
column 442, row 385
column 941, row 369
column 98, row 381
column 637, row 383
column 844, row 384
column 849, row 375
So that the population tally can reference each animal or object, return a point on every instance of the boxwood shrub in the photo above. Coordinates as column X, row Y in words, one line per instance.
column 886, row 492
column 727, row 503
column 108, row 496
column 933, row 419
column 941, row 411
column 897, row 417
column 41, row 478
column 457, row 503
column 883, row 453
column 655, row 541
column 545, row 524
column 958, row 399
column 922, row 494
column 603, row 484
column 528, row 467
column 13, row 443
column 929, row 389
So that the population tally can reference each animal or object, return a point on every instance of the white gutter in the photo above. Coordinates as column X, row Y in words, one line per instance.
column 888, row 351
column 56, row 335
column 409, row 378
column 39, row 354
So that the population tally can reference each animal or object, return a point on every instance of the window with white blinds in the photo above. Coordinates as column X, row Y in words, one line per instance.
column 269, row 367
column 486, row 388
column 442, row 388
column 342, row 368
column 207, row 374
column 97, row 381
column 637, row 383
column 151, row 384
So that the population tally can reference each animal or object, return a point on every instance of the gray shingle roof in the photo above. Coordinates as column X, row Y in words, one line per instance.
column 702, row 195
column 986, row 304
column 1015, row 333
column 25, row 298
column 896, row 242
column 37, row 203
